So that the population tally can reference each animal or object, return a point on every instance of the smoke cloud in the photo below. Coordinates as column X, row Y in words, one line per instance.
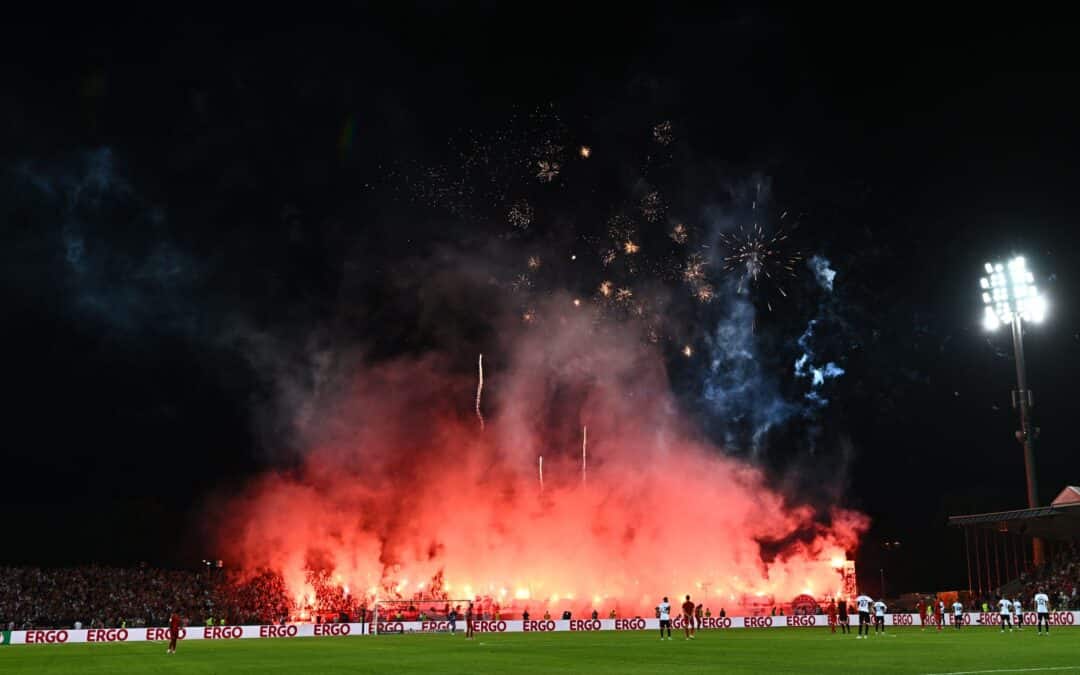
column 402, row 493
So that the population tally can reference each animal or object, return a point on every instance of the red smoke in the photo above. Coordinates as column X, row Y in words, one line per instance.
column 400, row 484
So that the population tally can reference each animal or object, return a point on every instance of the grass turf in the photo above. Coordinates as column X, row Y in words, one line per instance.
column 795, row 650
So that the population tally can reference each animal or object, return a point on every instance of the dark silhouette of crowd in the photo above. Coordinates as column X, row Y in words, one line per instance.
column 1060, row 580
column 97, row 596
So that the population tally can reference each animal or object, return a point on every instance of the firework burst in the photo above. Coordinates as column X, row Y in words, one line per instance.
column 520, row 214
column 652, row 206
column 547, row 170
column 760, row 258
column 663, row 133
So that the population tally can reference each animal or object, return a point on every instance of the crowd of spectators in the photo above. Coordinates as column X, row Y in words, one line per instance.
column 1060, row 580
column 97, row 596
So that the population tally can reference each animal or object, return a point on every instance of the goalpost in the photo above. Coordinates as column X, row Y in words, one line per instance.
column 388, row 614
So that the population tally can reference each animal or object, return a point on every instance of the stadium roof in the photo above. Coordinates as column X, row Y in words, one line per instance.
column 1060, row 520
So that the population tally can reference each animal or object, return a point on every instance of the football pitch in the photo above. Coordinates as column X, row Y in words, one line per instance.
column 801, row 650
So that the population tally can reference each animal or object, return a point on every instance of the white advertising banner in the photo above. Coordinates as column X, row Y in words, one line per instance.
column 65, row 636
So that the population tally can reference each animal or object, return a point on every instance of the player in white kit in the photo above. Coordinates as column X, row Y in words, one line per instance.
column 1042, row 611
column 1018, row 614
column 863, row 603
column 1005, row 608
column 879, row 617
column 664, row 610
column 958, row 614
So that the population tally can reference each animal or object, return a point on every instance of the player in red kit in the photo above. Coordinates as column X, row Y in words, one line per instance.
column 468, row 622
column 688, row 618
column 174, row 632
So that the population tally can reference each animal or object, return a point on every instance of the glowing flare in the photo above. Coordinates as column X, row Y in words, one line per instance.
column 480, row 390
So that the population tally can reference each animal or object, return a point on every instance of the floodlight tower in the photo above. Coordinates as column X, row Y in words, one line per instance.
column 1010, row 296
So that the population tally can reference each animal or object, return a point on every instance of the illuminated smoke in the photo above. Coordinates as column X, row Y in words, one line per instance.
column 807, row 366
column 397, row 489
column 822, row 272
column 737, row 390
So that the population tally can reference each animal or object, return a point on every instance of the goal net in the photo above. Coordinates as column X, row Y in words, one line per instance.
column 390, row 617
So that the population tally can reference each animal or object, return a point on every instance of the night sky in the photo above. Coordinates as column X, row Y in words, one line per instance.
column 191, row 210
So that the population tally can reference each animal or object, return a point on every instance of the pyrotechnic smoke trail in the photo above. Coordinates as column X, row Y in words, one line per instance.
column 480, row 391
column 541, row 474
column 584, row 460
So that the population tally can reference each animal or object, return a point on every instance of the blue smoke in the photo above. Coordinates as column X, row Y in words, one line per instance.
column 824, row 274
column 740, row 394
column 745, row 398
column 805, row 368
column 116, row 261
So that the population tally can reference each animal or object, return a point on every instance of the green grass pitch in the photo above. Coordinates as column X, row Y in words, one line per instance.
column 799, row 650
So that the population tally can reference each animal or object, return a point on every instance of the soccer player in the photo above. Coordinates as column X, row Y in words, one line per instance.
column 688, row 618
column 832, row 616
column 699, row 615
column 663, row 610
column 940, row 614
column 879, row 617
column 842, row 617
column 1042, row 611
column 929, row 616
column 174, row 632
column 468, row 622
column 1005, row 610
column 863, row 603
column 452, row 618
column 958, row 614
column 1018, row 614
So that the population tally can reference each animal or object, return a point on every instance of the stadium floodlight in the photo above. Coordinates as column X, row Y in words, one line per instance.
column 1010, row 297
column 1009, row 291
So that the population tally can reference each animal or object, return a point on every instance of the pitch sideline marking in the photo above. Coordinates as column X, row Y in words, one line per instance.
column 1008, row 670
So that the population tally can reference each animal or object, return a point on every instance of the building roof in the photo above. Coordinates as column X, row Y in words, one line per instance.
column 1060, row 520
column 1070, row 495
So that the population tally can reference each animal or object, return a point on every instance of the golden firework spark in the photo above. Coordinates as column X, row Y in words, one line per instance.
column 679, row 234
column 547, row 170
column 606, row 288
column 608, row 257
column 534, row 262
column 585, row 152
column 704, row 293
column 694, row 272
column 630, row 248
column 624, row 295
column 577, row 302
column 528, row 316
column 687, row 351
column 758, row 256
